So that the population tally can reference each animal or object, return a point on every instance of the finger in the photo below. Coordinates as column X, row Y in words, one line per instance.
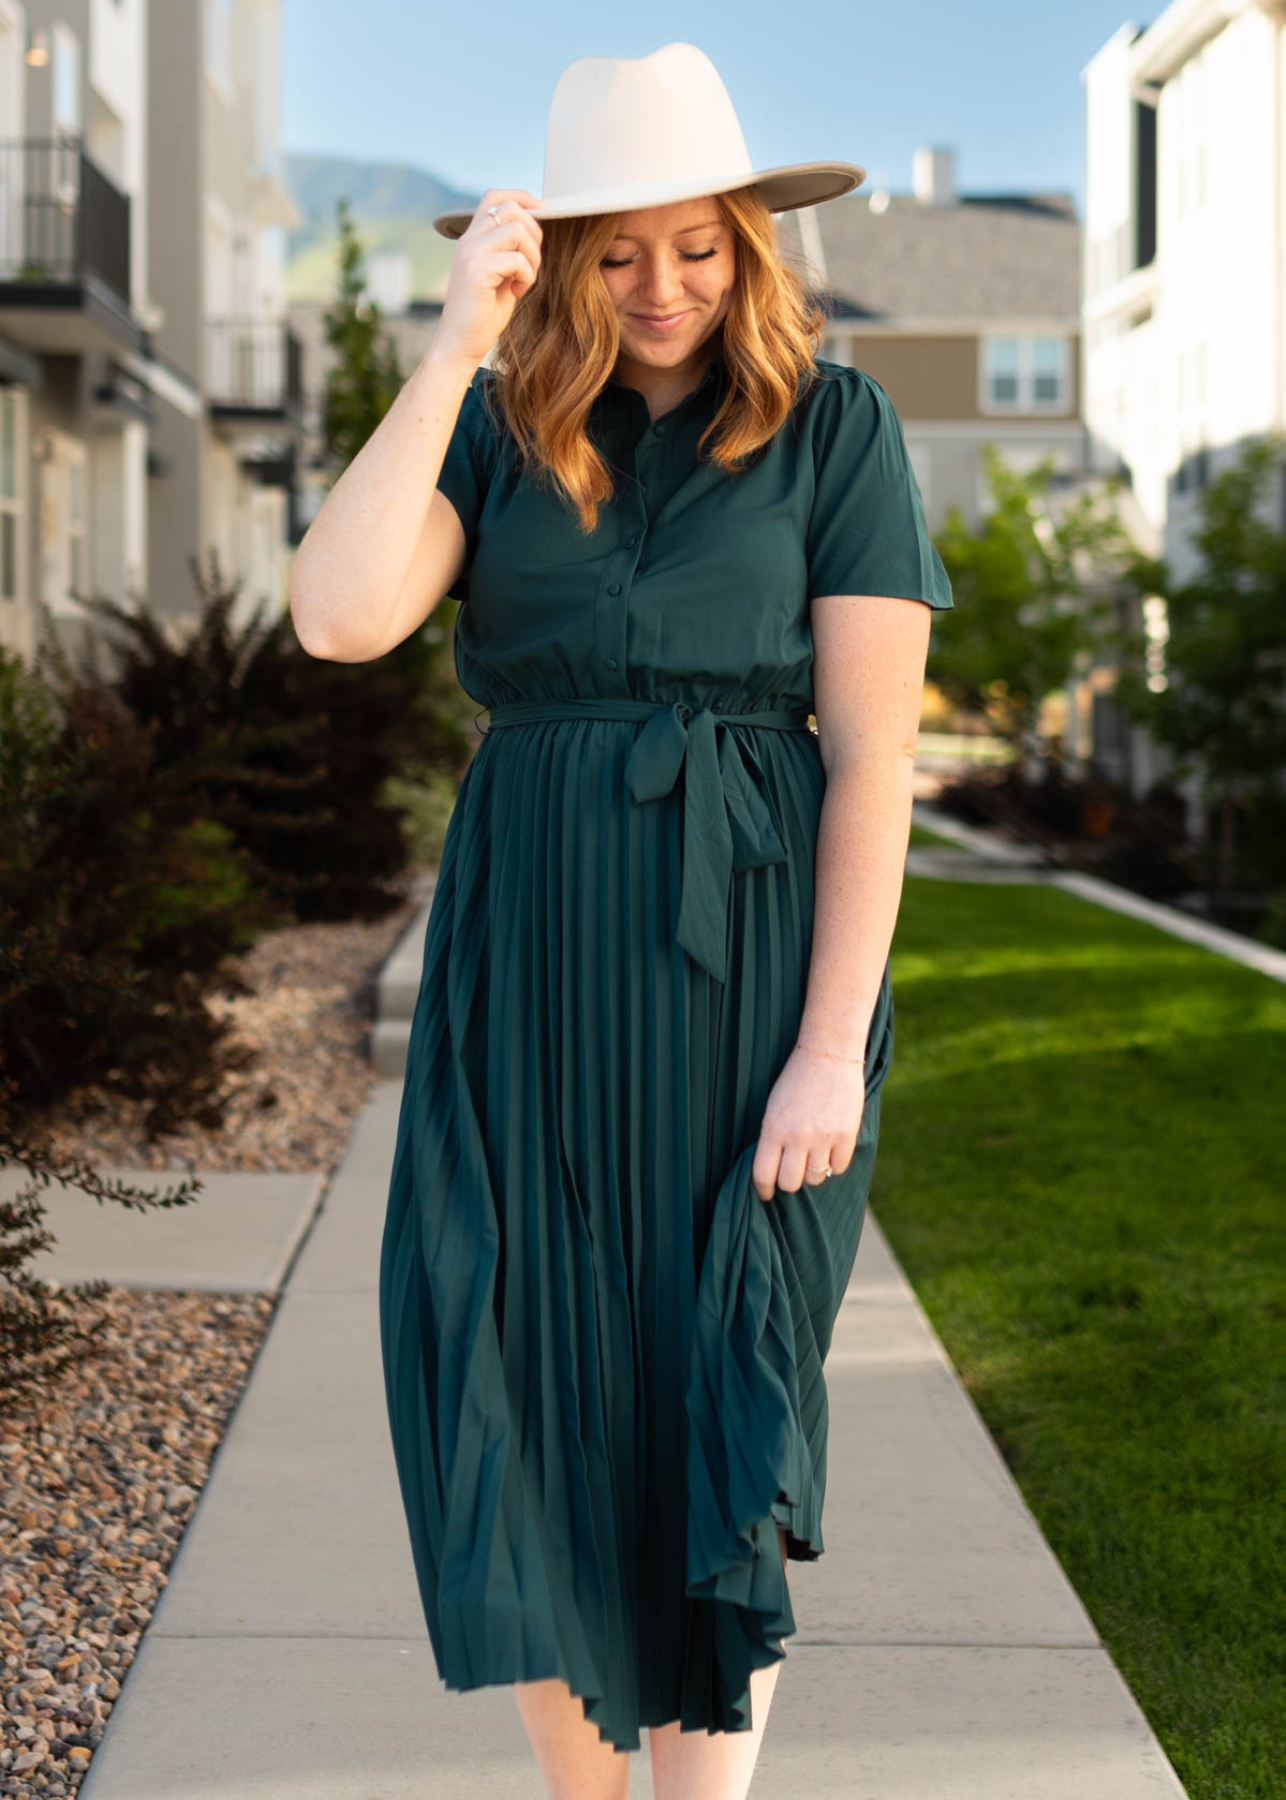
column 494, row 196
column 842, row 1153
column 793, row 1159
column 518, row 228
column 817, row 1159
column 484, row 222
column 502, row 199
column 763, row 1171
column 513, row 265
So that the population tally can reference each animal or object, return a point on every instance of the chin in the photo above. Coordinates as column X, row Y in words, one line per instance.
column 663, row 349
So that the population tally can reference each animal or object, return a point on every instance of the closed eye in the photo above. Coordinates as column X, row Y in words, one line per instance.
column 620, row 262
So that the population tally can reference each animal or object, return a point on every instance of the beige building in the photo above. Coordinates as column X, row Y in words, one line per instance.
column 966, row 307
column 149, row 380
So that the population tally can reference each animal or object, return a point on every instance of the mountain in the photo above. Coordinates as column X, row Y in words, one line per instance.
column 393, row 206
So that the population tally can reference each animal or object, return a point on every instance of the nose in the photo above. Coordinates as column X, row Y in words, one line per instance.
column 662, row 283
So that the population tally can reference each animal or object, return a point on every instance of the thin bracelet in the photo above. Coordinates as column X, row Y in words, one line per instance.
column 812, row 1051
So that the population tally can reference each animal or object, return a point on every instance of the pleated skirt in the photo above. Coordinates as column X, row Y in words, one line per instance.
column 603, row 1352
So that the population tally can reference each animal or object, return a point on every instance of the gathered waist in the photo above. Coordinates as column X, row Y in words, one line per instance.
column 522, row 712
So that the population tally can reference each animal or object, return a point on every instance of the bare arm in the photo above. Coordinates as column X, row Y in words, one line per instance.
column 869, row 655
column 386, row 546
column 868, row 665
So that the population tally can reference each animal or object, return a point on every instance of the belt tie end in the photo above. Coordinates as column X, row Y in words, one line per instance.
column 727, row 824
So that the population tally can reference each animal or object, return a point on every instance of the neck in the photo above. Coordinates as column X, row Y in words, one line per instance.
column 665, row 388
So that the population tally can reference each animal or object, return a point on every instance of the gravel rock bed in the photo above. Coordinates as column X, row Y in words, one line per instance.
column 308, row 1019
column 97, row 1484
column 96, row 1488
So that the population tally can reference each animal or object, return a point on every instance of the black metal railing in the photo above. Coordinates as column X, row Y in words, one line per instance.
column 61, row 218
column 253, row 365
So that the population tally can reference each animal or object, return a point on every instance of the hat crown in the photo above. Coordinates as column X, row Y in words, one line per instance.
column 618, row 121
column 634, row 132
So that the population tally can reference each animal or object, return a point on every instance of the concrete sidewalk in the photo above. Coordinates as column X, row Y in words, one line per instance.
column 941, row 1653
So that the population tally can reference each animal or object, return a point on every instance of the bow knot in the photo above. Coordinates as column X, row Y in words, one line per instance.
column 728, row 823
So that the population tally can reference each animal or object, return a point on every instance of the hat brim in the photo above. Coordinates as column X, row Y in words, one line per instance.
column 781, row 189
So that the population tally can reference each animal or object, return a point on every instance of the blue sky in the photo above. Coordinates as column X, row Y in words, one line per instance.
column 463, row 90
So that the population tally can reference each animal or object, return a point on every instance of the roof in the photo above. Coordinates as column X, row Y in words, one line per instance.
column 981, row 256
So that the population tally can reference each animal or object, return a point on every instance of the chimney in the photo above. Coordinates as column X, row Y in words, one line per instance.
column 934, row 176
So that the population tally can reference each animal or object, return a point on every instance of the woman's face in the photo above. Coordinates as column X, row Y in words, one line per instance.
column 674, row 264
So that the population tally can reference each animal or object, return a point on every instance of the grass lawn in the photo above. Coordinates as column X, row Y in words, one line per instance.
column 1083, row 1172
column 920, row 834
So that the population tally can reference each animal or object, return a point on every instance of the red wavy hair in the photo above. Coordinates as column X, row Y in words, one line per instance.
column 561, row 344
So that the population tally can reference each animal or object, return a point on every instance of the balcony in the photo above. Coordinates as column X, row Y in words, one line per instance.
column 254, row 394
column 253, row 372
column 64, row 250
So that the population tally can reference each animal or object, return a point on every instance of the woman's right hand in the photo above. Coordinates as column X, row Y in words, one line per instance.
column 495, row 263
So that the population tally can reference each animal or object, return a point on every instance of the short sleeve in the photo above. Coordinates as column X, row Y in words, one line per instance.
column 866, row 530
column 467, row 469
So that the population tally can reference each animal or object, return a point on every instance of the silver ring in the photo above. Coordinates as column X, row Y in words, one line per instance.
column 822, row 1174
column 491, row 214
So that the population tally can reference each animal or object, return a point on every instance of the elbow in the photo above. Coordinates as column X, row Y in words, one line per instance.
column 312, row 639
column 308, row 639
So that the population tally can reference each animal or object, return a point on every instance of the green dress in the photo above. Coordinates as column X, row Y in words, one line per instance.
column 602, row 1350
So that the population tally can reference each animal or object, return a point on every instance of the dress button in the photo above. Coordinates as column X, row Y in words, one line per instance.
column 612, row 663
column 615, row 588
column 659, row 430
column 630, row 543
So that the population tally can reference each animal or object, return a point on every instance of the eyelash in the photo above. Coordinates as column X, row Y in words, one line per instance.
column 687, row 255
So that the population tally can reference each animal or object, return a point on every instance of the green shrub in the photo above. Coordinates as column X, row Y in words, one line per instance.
column 114, row 912
column 288, row 751
column 426, row 806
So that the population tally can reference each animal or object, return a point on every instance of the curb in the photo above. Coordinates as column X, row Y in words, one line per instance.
column 1026, row 862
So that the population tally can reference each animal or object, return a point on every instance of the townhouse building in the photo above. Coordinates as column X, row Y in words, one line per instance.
column 966, row 308
column 1184, row 271
column 149, row 379
column 1185, row 251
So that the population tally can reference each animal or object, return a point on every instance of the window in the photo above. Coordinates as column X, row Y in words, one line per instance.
column 66, row 81
column 1025, row 374
column 1002, row 371
column 10, row 498
column 63, row 547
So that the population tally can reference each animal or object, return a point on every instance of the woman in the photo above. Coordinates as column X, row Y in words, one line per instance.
column 643, row 1079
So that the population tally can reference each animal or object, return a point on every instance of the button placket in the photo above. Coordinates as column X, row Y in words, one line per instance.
column 618, row 579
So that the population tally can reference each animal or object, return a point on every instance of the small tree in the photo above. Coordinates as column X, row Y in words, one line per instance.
column 366, row 376
column 1027, row 584
column 1222, row 709
column 365, row 379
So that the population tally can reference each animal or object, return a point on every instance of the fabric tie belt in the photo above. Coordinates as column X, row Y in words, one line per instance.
column 727, row 822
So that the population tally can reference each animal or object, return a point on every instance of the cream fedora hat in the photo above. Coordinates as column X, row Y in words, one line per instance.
column 633, row 131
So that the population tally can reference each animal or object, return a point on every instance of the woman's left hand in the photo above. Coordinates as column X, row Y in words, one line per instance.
column 811, row 1121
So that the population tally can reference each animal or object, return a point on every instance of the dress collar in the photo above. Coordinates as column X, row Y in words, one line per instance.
column 711, row 382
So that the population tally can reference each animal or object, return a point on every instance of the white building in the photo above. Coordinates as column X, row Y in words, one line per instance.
column 1185, row 252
